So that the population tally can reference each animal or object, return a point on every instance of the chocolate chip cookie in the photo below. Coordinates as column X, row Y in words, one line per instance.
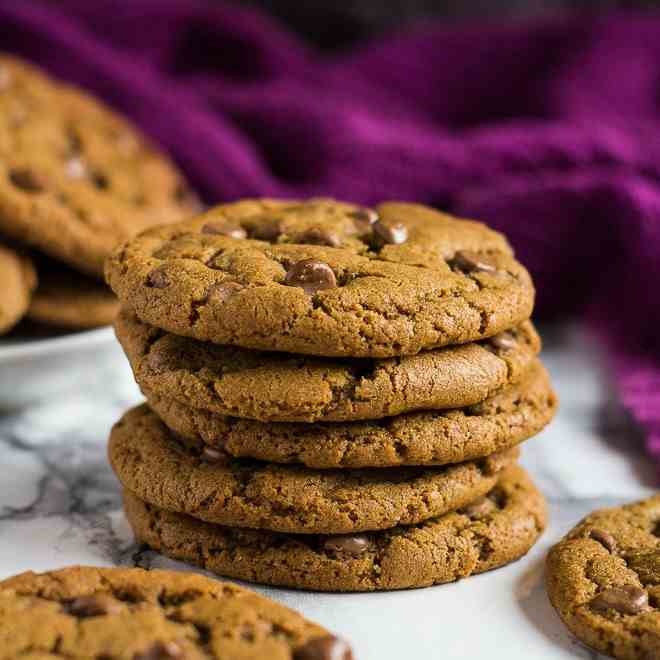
column 131, row 614
column 284, row 387
column 75, row 178
column 18, row 280
column 518, row 412
column 490, row 532
column 324, row 278
column 287, row 498
column 603, row 579
column 67, row 299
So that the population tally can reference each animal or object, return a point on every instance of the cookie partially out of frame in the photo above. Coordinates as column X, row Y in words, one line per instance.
column 289, row 498
column 490, row 532
column 294, row 388
column 502, row 421
column 603, row 579
column 324, row 278
column 75, row 178
column 84, row 612
column 18, row 279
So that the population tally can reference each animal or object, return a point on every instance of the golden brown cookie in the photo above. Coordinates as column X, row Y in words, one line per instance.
column 284, row 387
column 518, row 412
column 490, row 532
column 75, row 178
column 67, row 299
column 324, row 278
column 18, row 280
column 288, row 498
column 603, row 578
column 85, row 613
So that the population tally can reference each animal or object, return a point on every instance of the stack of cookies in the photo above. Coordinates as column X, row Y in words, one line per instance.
column 75, row 180
column 335, row 394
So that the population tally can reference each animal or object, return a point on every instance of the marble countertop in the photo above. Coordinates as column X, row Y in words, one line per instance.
column 60, row 505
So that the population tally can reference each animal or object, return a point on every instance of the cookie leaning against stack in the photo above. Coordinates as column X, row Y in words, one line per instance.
column 75, row 180
column 378, row 451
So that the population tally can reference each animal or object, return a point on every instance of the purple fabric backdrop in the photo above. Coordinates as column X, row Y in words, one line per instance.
column 549, row 131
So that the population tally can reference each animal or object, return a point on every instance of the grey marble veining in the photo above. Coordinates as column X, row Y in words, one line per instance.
column 60, row 504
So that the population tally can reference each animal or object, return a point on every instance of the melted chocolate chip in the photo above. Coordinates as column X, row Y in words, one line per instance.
column 100, row 180
column 213, row 455
column 625, row 600
column 363, row 219
column 504, row 341
column 161, row 651
column 75, row 143
column 391, row 234
column 224, row 228
column 219, row 293
column 311, row 276
column 158, row 278
column 479, row 508
column 468, row 261
column 324, row 648
column 95, row 605
column 353, row 545
column 27, row 180
column 604, row 538
column 318, row 236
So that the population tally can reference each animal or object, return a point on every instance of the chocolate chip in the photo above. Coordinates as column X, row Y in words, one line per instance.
column 219, row 293
column 604, row 538
column 363, row 219
column 472, row 262
column 224, row 228
column 158, row 278
column 75, row 168
column 311, row 276
column 392, row 234
column 479, row 508
column 95, row 605
column 75, row 143
column 266, row 229
column 318, row 236
column 324, row 648
column 161, row 651
column 27, row 180
column 353, row 545
column 505, row 341
column 213, row 455
column 100, row 180
column 625, row 600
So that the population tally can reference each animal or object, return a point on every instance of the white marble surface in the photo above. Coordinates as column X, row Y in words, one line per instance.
column 59, row 505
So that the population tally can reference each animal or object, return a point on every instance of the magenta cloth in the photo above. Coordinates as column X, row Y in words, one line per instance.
column 548, row 131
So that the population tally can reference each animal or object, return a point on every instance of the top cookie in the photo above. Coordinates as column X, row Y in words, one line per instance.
column 132, row 614
column 76, row 179
column 604, row 580
column 324, row 278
